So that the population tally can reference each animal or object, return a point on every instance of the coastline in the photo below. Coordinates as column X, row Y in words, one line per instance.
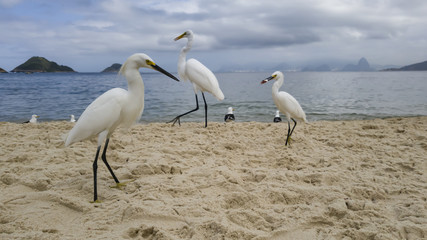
column 355, row 179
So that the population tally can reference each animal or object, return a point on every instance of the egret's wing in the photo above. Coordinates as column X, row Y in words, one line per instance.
column 287, row 104
column 102, row 114
column 205, row 80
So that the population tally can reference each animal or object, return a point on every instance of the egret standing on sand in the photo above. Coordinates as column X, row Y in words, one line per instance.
column 116, row 107
column 229, row 117
column 201, row 77
column 287, row 104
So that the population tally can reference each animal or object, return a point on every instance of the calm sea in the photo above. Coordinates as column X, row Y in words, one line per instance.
column 323, row 96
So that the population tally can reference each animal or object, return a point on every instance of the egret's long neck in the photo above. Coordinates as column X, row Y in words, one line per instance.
column 277, row 85
column 133, row 104
column 135, row 84
column 188, row 46
column 183, row 58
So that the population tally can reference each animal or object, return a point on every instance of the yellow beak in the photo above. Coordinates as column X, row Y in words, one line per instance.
column 179, row 37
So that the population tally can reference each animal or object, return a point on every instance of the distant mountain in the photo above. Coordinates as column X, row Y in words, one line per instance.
column 2, row 70
column 422, row 66
column 113, row 68
column 362, row 66
column 379, row 67
column 41, row 64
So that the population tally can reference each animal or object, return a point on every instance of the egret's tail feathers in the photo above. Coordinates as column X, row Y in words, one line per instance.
column 220, row 98
column 305, row 121
column 303, row 116
column 64, row 137
column 219, row 95
column 69, row 138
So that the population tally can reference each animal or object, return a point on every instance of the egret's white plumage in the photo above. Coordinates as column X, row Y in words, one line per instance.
column 229, row 117
column 72, row 118
column 285, row 102
column 105, row 114
column 202, row 78
column 33, row 118
column 199, row 75
column 116, row 107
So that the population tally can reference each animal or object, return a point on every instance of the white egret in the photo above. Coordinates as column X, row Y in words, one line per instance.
column 277, row 117
column 286, row 103
column 201, row 77
column 33, row 119
column 72, row 119
column 116, row 107
column 229, row 117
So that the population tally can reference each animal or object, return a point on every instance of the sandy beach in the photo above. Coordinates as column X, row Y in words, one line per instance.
column 338, row 180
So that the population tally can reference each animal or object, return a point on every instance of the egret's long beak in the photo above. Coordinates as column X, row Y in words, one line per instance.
column 179, row 37
column 158, row 68
column 267, row 79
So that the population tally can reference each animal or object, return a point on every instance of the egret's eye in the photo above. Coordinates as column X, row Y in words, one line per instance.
column 274, row 76
column 150, row 63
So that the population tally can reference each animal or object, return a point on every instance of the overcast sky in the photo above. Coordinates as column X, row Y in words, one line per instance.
column 91, row 35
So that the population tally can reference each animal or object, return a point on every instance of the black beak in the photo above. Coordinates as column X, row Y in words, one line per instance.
column 267, row 79
column 158, row 68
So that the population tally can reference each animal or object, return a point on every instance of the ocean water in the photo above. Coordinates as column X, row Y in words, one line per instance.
column 322, row 95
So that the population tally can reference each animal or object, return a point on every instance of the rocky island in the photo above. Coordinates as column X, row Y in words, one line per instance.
column 41, row 64
column 113, row 68
column 2, row 70
column 422, row 66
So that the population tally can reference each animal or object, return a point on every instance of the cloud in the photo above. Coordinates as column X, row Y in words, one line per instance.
column 9, row 3
column 288, row 30
column 96, row 25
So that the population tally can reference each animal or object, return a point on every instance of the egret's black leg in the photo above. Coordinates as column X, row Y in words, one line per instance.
column 178, row 117
column 95, row 168
column 206, row 110
column 290, row 134
column 104, row 159
column 287, row 136
column 293, row 127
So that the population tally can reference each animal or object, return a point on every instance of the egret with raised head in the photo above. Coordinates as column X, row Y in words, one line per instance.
column 286, row 103
column 116, row 107
column 199, row 75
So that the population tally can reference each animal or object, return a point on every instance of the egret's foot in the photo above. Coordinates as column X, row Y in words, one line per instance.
column 121, row 184
column 288, row 142
column 96, row 201
column 177, row 119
